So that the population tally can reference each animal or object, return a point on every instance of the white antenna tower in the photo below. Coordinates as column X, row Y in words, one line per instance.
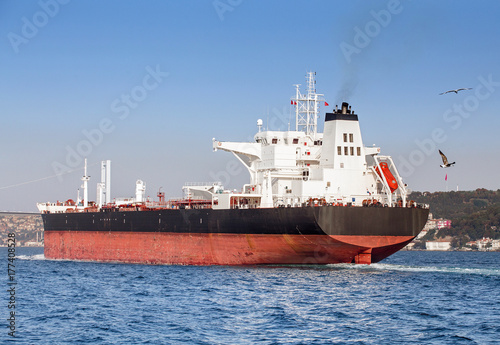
column 307, row 107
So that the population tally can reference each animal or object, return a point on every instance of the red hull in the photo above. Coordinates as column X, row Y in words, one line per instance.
column 219, row 249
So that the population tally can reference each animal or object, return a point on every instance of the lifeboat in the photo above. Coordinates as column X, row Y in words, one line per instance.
column 391, row 180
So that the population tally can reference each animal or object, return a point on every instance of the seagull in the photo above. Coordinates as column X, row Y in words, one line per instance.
column 445, row 161
column 456, row 90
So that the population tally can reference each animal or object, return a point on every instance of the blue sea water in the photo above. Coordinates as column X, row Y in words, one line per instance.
column 409, row 298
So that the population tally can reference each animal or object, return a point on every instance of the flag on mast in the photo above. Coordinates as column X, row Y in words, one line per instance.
column 446, row 177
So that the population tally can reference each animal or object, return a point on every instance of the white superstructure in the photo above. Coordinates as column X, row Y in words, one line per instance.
column 291, row 168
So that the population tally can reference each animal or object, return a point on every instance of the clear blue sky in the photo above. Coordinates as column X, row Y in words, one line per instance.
column 194, row 70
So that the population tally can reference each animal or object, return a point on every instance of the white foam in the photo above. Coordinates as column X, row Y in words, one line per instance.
column 405, row 268
column 31, row 257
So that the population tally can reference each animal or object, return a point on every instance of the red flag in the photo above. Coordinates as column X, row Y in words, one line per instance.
column 446, row 177
column 326, row 104
column 291, row 102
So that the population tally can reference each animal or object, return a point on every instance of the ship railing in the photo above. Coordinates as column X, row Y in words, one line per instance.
column 350, row 204
column 351, row 201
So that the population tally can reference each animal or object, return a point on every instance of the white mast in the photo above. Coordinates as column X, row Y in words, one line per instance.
column 104, row 187
column 140, row 191
column 307, row 107
column 106, row 178
column 85, row 180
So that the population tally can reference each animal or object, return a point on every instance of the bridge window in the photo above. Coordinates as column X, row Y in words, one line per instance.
column 345, row 137
column 339, row 150
column 352, row 151
column 346, row 151
column 275, row 141
column 296, row 141
column 351, row 137
column 359, row 151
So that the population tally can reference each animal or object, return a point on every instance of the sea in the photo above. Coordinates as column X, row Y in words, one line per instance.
column 412, row 297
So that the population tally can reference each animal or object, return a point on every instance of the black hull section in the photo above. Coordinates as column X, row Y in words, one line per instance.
column 324, row 220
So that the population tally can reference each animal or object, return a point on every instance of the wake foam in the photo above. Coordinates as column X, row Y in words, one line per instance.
column 31, row 257
column 426, row 269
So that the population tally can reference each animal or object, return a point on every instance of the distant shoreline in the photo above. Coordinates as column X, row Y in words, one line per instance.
column 37, row 246
column 14, row 213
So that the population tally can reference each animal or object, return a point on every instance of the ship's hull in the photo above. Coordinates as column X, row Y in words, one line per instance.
column 308, row 235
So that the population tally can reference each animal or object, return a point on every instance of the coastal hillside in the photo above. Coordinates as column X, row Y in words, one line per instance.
column 474, row 214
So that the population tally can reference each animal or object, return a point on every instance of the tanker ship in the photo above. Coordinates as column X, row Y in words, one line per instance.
column 312, row 198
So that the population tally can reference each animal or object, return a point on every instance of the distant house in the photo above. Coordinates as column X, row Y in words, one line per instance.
column 438, row 224
column 33, row 244
column 438, row 245
column 430, row 225
column 443, row 223
column 485, row 243
column 434, row 224
column 471, row 243
column 495, row 245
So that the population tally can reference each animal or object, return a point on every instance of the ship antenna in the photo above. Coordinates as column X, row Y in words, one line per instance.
column 307, row 107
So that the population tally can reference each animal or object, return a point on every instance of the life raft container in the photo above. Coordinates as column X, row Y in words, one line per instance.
column 391, row 180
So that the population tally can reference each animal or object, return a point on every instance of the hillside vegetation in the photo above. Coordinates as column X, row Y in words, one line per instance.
column 474, row 214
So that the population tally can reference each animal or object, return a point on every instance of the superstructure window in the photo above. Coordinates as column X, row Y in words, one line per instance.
column 275, row 141
column 351, row 137
column 359, row 151
column 346, row 151
column 345, row 137
column 339, row 150
column 295, row 140
column 352, row 151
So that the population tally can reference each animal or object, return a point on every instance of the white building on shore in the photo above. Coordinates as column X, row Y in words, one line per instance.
column 438, row 245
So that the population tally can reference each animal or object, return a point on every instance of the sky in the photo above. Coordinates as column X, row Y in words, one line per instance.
column 148, row 84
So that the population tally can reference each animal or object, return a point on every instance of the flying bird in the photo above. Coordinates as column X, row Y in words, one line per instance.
column 456, row 90
column 445, row 161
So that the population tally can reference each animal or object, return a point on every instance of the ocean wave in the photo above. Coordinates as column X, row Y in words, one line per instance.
column 31, row 257
column 408, row 268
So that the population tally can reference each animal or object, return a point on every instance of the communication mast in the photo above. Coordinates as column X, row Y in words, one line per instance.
column 307, row 106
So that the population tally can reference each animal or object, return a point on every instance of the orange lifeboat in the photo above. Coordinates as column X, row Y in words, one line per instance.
column 391, row 181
